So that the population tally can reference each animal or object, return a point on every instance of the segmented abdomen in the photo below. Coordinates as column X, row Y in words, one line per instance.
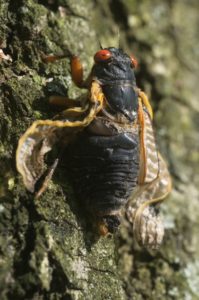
column 104, row 169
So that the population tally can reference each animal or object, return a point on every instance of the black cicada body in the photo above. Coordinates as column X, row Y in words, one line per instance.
column 111, row 148
column 105, row 155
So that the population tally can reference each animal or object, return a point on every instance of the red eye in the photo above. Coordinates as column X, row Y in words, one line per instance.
column 102, row 55
column 134, row 61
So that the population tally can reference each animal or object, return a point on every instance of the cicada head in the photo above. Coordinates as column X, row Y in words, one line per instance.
column 114, row 70
column 113, row 64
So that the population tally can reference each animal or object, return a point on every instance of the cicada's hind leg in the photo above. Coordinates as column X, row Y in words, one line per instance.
column 148, row 228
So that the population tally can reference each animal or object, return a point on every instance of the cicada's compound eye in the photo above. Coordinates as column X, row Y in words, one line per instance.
column 134, row 62
column 102, row 56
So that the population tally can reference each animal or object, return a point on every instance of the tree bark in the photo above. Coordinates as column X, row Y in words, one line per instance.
column 47, row 248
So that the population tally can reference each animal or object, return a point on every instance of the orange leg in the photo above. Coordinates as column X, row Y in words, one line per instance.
column 52, row 58
column 76, row 68
column 77, row 77
column 63, row 102
column 76, row 71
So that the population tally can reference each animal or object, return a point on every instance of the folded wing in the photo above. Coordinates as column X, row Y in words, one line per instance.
column 154, row 183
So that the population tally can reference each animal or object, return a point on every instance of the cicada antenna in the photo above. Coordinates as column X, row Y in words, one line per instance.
column 100, row 44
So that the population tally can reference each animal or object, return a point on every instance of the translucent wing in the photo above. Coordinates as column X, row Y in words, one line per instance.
column 42, row 135
column 154, row 183
column 149, row 162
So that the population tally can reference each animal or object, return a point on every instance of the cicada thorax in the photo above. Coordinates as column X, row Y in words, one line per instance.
column 121, row 98
column 117, row 79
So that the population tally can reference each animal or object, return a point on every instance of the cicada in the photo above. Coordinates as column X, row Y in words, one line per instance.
column 110, row 147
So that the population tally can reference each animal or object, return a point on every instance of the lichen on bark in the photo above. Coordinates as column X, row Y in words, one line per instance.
column 47, row 249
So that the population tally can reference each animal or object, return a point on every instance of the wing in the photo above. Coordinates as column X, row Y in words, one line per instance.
column 42, row 135
column 154, row 183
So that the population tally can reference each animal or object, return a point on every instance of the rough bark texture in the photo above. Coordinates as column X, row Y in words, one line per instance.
column 47, row 249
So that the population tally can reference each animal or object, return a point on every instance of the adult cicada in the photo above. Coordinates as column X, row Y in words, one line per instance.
column 109, row 146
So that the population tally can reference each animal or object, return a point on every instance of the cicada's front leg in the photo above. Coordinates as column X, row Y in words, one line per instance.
column 77, row 77
column 72, row 109
column 77, row 72
column 154, row 184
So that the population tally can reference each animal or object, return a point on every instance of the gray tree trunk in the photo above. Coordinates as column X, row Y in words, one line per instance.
column 47, row 251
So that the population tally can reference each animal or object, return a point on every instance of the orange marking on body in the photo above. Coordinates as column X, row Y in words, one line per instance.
column 146, row 103
column 142, row 173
